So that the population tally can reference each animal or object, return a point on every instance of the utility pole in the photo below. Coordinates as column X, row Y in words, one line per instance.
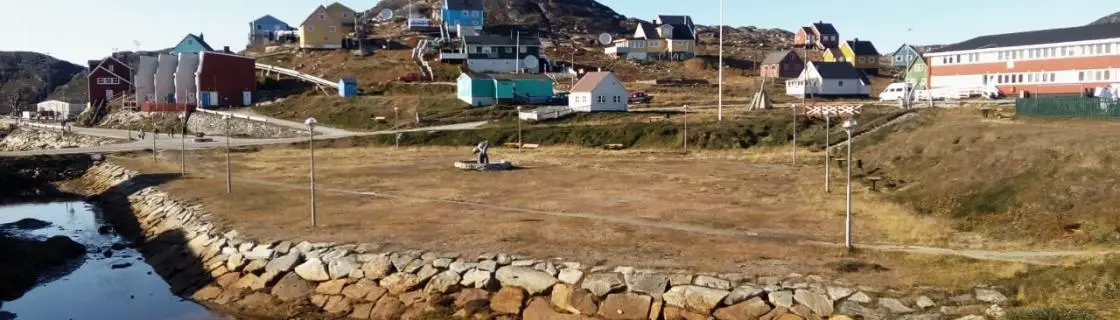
column 519, row 129
column 719, row 116
column 849, row 127
column 517, row 54
column 827, row 151
column 794, row 135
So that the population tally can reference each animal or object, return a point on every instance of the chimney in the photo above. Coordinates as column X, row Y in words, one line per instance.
column 201, row 37
column 226, row 49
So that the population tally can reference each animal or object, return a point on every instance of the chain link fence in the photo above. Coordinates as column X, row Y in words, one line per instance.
column 1068, row 107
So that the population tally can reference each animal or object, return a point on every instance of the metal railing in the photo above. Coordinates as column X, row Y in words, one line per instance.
column 233, row 115
column 299, row 75
column 1068, row 107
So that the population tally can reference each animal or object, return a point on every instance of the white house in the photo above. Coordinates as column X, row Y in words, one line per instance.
column 598, row 91
column 61, row 109
column 829, row 79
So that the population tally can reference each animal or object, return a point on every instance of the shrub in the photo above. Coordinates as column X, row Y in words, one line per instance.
column 1051, row 313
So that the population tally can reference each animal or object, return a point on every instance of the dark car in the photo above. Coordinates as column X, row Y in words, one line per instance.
column 559, row 99
column 640, row 97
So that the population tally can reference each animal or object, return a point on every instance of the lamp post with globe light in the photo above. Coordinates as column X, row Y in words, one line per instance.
column 850, row 128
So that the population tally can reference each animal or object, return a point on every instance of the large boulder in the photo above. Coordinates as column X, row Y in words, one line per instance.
column 819, row 303
column 291, row 288
column 313, row 270
column 695, row 298
column 625, row 306
column 533, row 281
column 603, row 283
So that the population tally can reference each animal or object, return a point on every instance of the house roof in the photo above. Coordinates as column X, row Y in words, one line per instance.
column 507, row 76
column 324, row 11
column 590, row 81
column 825, row 28
column 683, row 27
column 1083, row 33
column 649, row 29
column 197, row 39
column 838, row 70
column 775, row 57
column 233, row 55
column 337, row 5
column 501, row 41
column 904, row 47
column 835, row 52
column 101, row 67
column 862, row 47
column 269, row 18
column 464, row 4
column 807, row 30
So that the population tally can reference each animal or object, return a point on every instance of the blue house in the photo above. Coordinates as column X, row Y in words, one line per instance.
column 348, row 87
column 480, row 89
column 191, row 44
column 463, row 16
column 904, row 55
column 264, row 30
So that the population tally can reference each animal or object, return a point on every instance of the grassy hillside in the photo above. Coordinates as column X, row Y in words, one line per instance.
column 1024, row 181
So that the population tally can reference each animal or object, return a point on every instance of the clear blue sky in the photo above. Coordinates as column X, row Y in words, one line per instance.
column 89, row 29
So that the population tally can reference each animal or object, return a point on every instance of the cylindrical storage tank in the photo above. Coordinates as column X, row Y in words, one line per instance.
column 185, row 87
column 146, row 79
column 165, row 78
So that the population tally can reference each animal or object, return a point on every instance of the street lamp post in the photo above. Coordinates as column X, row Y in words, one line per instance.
column 183, row 144
column 229, row 171
column 684, row 141
column 794, row 134
column 310, row 122
column 518, row 128
column 849, row 127
column 155, row 150
column 827, row 151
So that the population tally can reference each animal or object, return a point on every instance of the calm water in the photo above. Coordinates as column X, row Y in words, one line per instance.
column 94, row 290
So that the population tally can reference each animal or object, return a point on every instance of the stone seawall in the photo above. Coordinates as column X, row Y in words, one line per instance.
column 209, row 124
column 299, row 279
column 23, row 139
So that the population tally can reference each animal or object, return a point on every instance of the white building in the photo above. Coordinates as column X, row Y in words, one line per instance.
column 145, row 79
column 165, row 78
column 60, row 109
column 599, row 91
column 185, row 89
column 829, row 79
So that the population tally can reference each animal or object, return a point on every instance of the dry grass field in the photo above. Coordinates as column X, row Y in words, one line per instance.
column 712, row 211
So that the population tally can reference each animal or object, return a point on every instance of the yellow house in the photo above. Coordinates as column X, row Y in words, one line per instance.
column 861, row 54
column 321, row 30
column 343, row 14
column 667, row 38
column 833, row 55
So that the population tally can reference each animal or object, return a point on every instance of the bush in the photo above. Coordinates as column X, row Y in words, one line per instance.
column 1051, row 313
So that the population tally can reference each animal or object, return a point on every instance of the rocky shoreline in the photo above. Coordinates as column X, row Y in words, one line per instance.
column 286, row 279
column 23, row 139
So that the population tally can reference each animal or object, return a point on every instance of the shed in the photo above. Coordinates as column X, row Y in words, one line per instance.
column 348, row 87
column 60, row 109
column 480, row 89
column 599, row 91
column 830, row 79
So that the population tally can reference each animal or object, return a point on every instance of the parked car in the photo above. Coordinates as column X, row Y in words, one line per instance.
column 411, row 77
column 640, row 97
column 559, row 99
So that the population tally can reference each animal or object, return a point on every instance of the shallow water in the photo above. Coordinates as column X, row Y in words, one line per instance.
column 94, row 290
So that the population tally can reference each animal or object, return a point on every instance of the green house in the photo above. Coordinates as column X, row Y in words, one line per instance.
column 481, row 89
column 917, row 74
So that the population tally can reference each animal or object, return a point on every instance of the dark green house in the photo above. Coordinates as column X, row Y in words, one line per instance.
column 917, row 74
column 904, row 55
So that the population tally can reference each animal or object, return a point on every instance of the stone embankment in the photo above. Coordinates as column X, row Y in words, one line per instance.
column 300, row 279
column 22, row 139
column 208, row 124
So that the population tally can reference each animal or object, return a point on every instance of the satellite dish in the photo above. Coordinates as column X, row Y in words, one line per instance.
column 605, row 38
column 531, row 62
column 385, row 14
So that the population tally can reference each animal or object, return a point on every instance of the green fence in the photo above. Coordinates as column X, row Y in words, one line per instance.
column 1068, row 107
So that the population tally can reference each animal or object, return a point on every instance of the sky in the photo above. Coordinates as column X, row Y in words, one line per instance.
column 91, row 29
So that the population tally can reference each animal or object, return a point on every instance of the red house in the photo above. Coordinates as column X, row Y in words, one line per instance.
column 225, row 79
column 108, row 79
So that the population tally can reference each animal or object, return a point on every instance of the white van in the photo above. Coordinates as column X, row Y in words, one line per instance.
column 896, row 91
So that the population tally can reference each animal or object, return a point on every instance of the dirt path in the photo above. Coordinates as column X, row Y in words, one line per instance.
column 1028, row 257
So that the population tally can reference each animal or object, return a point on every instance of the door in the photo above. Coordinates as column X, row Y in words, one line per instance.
column 246, row 98
column 214, row 98
column 108, row 94
column 204, row 98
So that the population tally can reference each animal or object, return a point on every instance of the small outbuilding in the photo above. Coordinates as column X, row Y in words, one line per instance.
column 597, row 92
column 481, row 89
column 60, row 110
column 830, row 79
column 348, row 87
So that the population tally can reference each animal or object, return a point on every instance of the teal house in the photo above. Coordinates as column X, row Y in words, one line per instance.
column 483, row 89
column 191, row 44
column 904, row 56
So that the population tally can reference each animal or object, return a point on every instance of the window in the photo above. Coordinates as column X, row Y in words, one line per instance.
column 1019, row 79
column 1107, row 74
column 524, row 49
column 1001, row 55
column 602, row 99
column 258, row 27
column 465, row 13
column 1081, row 76
column 311, row 28
column 1098, row 76
column 840, row 83
column 476, row 14
column 617, row 99
column 1053, row 52
column 111, row 68
column 334, row 29
column 322, row 16
column 1052, row 78
column 508, row 50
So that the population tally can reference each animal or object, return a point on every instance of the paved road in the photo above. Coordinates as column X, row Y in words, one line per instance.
column 290, row 124
column 164, row 142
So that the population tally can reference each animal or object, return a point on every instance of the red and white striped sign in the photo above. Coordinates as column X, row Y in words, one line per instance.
column 833, row 111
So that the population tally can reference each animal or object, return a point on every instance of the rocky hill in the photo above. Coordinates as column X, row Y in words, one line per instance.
column 544, row 16
column 1112, row 18
column 29, row 77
